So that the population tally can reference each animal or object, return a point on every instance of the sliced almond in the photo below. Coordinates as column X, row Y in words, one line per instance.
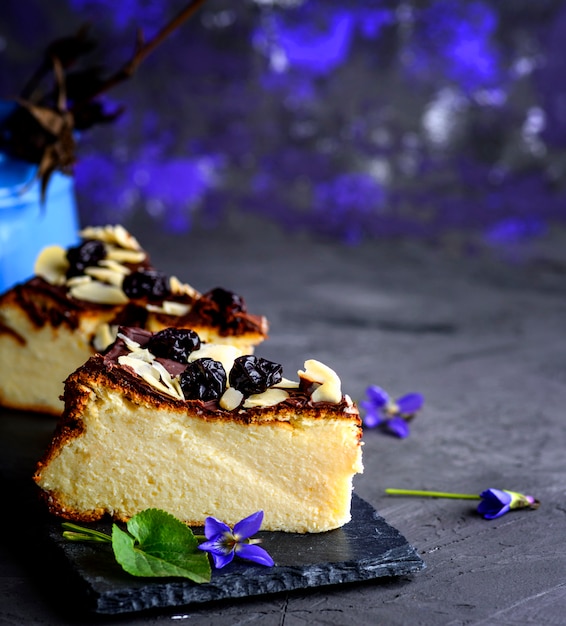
column 177, row 386
column 269, row 397
column 169, row 308
column 130, row 343
column 103, row 337
column 218, row 352
column 285, row 383
column 78, row 280
column 147, row 372
column 124, row 239
column 114, row 265
column 99, row 293
column 330, row 389
column 231, row 399
column 181, row 289
column 174, row 389
column 125, row 256
column 143, row 354
column 105, row 275
column 175, row 308
column 52, row 265
column 114, row 235
column 101, row 233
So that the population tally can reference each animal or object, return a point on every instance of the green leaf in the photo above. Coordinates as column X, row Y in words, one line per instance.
column 158, row 544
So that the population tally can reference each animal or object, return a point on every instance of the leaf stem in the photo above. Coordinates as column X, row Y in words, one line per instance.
column 432, row 494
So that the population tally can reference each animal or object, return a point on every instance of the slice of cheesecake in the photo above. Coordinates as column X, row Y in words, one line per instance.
column 209, row 432
column 74, row 304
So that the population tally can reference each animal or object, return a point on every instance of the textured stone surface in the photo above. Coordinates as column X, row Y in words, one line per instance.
column 483, row 340
column 364, row 549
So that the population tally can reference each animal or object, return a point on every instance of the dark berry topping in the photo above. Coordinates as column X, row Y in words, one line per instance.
column 251, row 374
column 174, row 343
column 220, row 306
column 150, row 284
column 227, row 301
column 203, row 379
column 86, row 254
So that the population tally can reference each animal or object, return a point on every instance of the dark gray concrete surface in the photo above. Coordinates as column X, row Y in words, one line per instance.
column 484, row 341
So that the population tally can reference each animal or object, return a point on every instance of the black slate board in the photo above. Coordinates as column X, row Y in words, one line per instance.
column 366, row 548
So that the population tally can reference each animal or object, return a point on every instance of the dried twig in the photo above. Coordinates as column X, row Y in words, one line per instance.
column 41, row 129
column 143, row 50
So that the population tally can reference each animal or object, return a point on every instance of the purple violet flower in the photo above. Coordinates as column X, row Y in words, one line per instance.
column 223, row 542
column 390, row 416
column 497, row 502
column 494, row 502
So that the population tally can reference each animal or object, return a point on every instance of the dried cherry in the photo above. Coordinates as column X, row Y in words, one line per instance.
column 220, row 305
column 227, row 301
column 150, row 284
column 174, row 343
column 251, row 374
column 86, row 254
column 203, row 379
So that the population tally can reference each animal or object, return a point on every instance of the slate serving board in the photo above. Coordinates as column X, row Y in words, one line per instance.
column 366, row 548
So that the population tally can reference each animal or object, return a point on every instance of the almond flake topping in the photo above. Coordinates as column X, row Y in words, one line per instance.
column 78, row 280
column 231, row 399
column 143, row 354
column 114, row 235
column 115, row 266
column 182, row 289
column 105, row 275
column 169, row 308
column 171, row 383
column 269, row 397
column 330, row 389
column 285, row 383
column 150, row 372
column 125, row 256
column 143, row 363
column 104, row 336
column 100, row 293
column 52, row 265
column 130, row 343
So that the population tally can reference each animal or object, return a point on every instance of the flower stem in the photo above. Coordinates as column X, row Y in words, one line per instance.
column 78, row 533
column 432, row 494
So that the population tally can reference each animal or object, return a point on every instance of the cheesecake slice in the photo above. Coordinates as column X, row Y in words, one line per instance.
column 72, row 307
column 207, row 432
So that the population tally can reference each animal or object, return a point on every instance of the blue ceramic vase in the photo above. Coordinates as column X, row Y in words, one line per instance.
column 26, row 224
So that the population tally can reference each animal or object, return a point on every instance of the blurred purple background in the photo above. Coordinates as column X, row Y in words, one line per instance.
column 432, row 119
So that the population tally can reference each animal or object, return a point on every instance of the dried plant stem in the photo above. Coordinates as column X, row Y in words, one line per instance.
column 143, row 50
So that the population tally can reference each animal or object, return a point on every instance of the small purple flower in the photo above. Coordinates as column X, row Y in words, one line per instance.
column 494, row 502
column 223, row 542
column 390, row 416
column 497, row 502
